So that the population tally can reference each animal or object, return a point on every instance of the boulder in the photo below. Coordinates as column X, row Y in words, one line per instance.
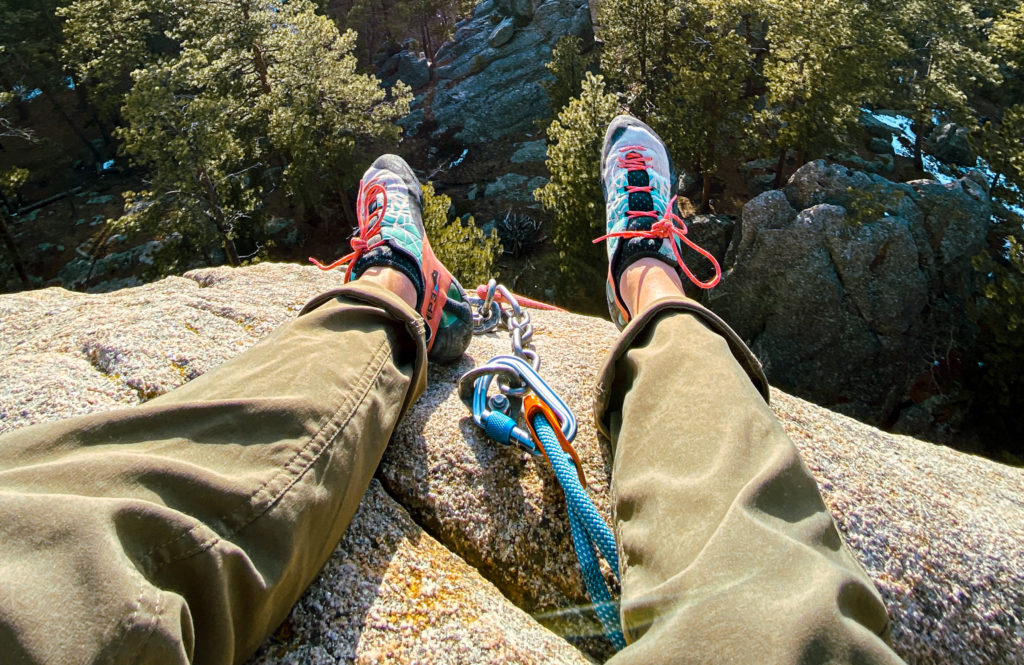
column 881, row 146
column 405, row 66
column 530, row 151
column 713, row 233
column 948, row 143
column 488, row 76
column 521, row 9
column 502, row 34
column 940, row 533
column 842, row 259
column 875, row 127
column 514, row 187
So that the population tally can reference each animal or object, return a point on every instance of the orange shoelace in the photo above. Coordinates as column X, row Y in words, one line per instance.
column 369, row 226
column 666, row 226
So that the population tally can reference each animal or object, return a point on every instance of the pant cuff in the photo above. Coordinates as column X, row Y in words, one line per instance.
column 396, row 309
column 639, row 329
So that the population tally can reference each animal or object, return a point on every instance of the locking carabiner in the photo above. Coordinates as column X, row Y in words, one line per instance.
column 520, row 376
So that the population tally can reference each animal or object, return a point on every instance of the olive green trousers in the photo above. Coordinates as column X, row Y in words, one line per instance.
column 184, row 529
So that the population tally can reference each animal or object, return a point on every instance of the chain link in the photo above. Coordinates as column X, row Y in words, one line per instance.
column 489, row 314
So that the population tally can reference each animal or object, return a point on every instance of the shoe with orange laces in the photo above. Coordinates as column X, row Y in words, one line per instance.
column 389, row 212
column 637, row 178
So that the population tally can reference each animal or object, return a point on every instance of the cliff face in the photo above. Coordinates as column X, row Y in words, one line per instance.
column 458, row 537
column 844, row 259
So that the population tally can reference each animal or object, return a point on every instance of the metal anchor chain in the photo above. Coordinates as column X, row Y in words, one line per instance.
column 550, row 429
column 489, row 315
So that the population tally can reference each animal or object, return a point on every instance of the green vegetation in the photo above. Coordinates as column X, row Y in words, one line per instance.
column 1001, row 138
column 459, row 245
column 227, row 115
column 568, row 66
column 573, row 194
column 255, row 98
column 430, row 22
column 725, row 80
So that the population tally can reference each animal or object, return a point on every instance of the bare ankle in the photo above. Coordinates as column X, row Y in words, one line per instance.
column 648, row 280
column 392, row 280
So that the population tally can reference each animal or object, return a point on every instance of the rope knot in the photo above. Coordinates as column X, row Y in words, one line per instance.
column 664, row 228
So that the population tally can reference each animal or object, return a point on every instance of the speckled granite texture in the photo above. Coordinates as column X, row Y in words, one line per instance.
column 940, row 532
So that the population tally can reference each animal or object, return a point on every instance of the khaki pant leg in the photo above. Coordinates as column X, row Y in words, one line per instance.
column 186, row 528
column 727, row 552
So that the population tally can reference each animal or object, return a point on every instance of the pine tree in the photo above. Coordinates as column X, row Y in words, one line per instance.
column 703, row 108
column 257, row 97
column 459, row 245
column 573, row 193
column 106, row 40
column 826, row 59
column 636, row 56
column 1001, row 139
column 568, row 66
column 941, row 60
column 30, row 62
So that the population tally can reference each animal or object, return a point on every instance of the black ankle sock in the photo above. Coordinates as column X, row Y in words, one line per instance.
column 386, row 256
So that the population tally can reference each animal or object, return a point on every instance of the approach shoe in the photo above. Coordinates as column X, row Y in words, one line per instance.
column 640, row 207
column 390, row 216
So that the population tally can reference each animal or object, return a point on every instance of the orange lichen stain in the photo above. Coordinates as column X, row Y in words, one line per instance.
column 182, row 371
column 432, row 592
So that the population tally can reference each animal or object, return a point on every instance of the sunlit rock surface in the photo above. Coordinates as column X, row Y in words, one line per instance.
column 941, row 533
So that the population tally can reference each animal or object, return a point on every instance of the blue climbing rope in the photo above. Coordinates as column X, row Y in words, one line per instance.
column 589, row 530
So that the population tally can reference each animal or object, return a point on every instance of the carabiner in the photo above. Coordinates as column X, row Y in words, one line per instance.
column 473, row 387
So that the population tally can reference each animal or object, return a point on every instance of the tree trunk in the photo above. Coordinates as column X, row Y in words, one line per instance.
column 12, row 247
column 229, row 245
column 347, row 209
column 427, row 46
column 261, row 68
column 705, row 193
column 108, row 138
column 780, row 168
column 258, row 62
column 219, row 220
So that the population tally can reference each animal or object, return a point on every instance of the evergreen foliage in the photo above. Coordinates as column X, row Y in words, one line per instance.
column 462, row 247
column 256, row 97
column 826, row 60
column 703, row 109
column 378, row 22
column 1001, row 139
column 31, row 63
column 568, row 66
column 573, row 193
column 941, row 60
column 106, row 40
column 638, row 35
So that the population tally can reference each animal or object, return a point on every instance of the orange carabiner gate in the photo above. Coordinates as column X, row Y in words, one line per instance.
column 533, row 405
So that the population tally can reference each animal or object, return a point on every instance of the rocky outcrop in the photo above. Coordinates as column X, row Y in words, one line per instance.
column 941, row 533
column 488, row 76
column 850, row 287
column 404, row 64
column 948, row 142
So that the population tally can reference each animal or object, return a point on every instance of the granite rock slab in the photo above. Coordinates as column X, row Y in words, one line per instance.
column 940, row 533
